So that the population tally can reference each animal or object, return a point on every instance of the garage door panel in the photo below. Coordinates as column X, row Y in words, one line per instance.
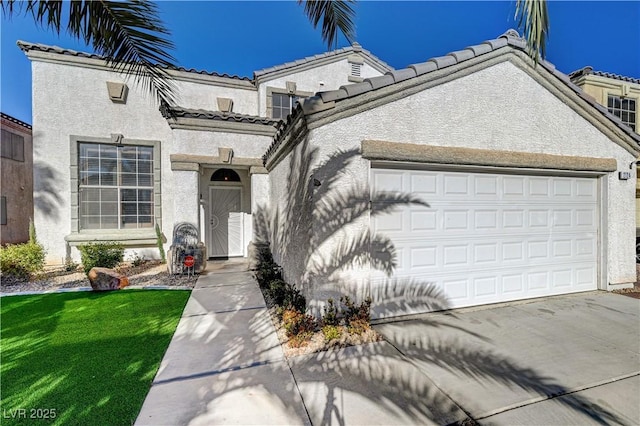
column 488, row 238
column 489, row 252
column 443, row 218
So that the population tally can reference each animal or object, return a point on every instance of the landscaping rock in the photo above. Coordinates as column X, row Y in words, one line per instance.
column 104, row 279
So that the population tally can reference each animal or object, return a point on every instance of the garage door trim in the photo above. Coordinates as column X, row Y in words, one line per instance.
column 418, row 153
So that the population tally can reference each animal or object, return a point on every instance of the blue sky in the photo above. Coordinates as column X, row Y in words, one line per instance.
column 238, row 37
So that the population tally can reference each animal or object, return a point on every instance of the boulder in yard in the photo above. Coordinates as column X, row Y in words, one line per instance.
column 103, row 279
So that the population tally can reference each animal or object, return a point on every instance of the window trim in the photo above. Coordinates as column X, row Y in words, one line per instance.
column 619, row 95
column 125, row 234
column 281, row 91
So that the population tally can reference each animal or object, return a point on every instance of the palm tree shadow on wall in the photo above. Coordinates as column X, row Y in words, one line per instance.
column 46, row 191
column 319, row 208
column 320, row 235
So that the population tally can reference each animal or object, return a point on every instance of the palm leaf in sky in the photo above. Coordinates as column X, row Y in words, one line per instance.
column 533, row 19
column 128, row 33
column 336, row 15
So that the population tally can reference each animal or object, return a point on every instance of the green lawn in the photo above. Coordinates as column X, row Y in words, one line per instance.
column 86, row 358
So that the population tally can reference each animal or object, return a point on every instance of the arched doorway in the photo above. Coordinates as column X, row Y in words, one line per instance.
column 226, row 230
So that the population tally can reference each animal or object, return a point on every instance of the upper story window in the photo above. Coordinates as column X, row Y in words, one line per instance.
column 116, row 186
column 282, row 104
column 12, row 145
column 623, row 108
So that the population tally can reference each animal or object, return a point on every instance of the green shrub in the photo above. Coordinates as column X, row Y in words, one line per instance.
column 331, row 332
column 104, row 255
column 330, row 316
column 357, row 318
column 285, row 295
column 293, row 299
column 276, row 291
column 267, row 273
column 22, row 260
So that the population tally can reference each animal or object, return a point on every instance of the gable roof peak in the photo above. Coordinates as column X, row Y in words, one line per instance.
column 327, row 56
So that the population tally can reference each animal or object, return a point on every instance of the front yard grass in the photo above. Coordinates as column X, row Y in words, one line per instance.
column 83, row 358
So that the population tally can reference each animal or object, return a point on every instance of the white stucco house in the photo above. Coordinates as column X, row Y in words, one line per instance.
column 471, row 178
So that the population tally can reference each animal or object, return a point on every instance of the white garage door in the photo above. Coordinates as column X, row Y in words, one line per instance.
column 489, row 238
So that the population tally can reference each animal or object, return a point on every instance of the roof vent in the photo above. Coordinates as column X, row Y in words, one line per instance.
column 356, row 70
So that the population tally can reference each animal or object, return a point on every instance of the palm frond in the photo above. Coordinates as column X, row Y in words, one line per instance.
column 533, row 20
column 128, row 33
column 336, row 15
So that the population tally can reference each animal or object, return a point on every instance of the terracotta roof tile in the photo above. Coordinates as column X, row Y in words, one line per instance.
column 177, row 111
column 509, row 38
column 589, row 71
column 26, row 47
column 15, row 120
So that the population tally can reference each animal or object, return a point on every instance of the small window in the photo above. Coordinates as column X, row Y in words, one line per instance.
column 12, row 145
column 3, row 210
column 282, row 104
column 225, row 175
column 6, row 144
column 624, row 109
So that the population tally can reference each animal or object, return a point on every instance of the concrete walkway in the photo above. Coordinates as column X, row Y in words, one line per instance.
column 562, row 360
column 224, row 364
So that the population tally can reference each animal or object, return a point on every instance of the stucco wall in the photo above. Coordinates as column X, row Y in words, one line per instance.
column 207, row 143
column 290, row 215
column 17, row 186
column 499, row 108
column 69, row 100
column 203, row 96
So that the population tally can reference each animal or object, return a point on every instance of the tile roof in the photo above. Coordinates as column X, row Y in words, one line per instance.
column 26, row 47
column 15, row 120
column 177, row 111
column 355, row 48
column 510, row 38
column 589, row 71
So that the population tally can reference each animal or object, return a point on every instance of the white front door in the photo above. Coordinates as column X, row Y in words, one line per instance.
column 226, row 233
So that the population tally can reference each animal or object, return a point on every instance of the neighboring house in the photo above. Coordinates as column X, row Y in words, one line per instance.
column 471, row 178
column 621, row 96
column 16, row 180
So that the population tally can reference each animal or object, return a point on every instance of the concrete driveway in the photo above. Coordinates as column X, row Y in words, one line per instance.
column 563, row 360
